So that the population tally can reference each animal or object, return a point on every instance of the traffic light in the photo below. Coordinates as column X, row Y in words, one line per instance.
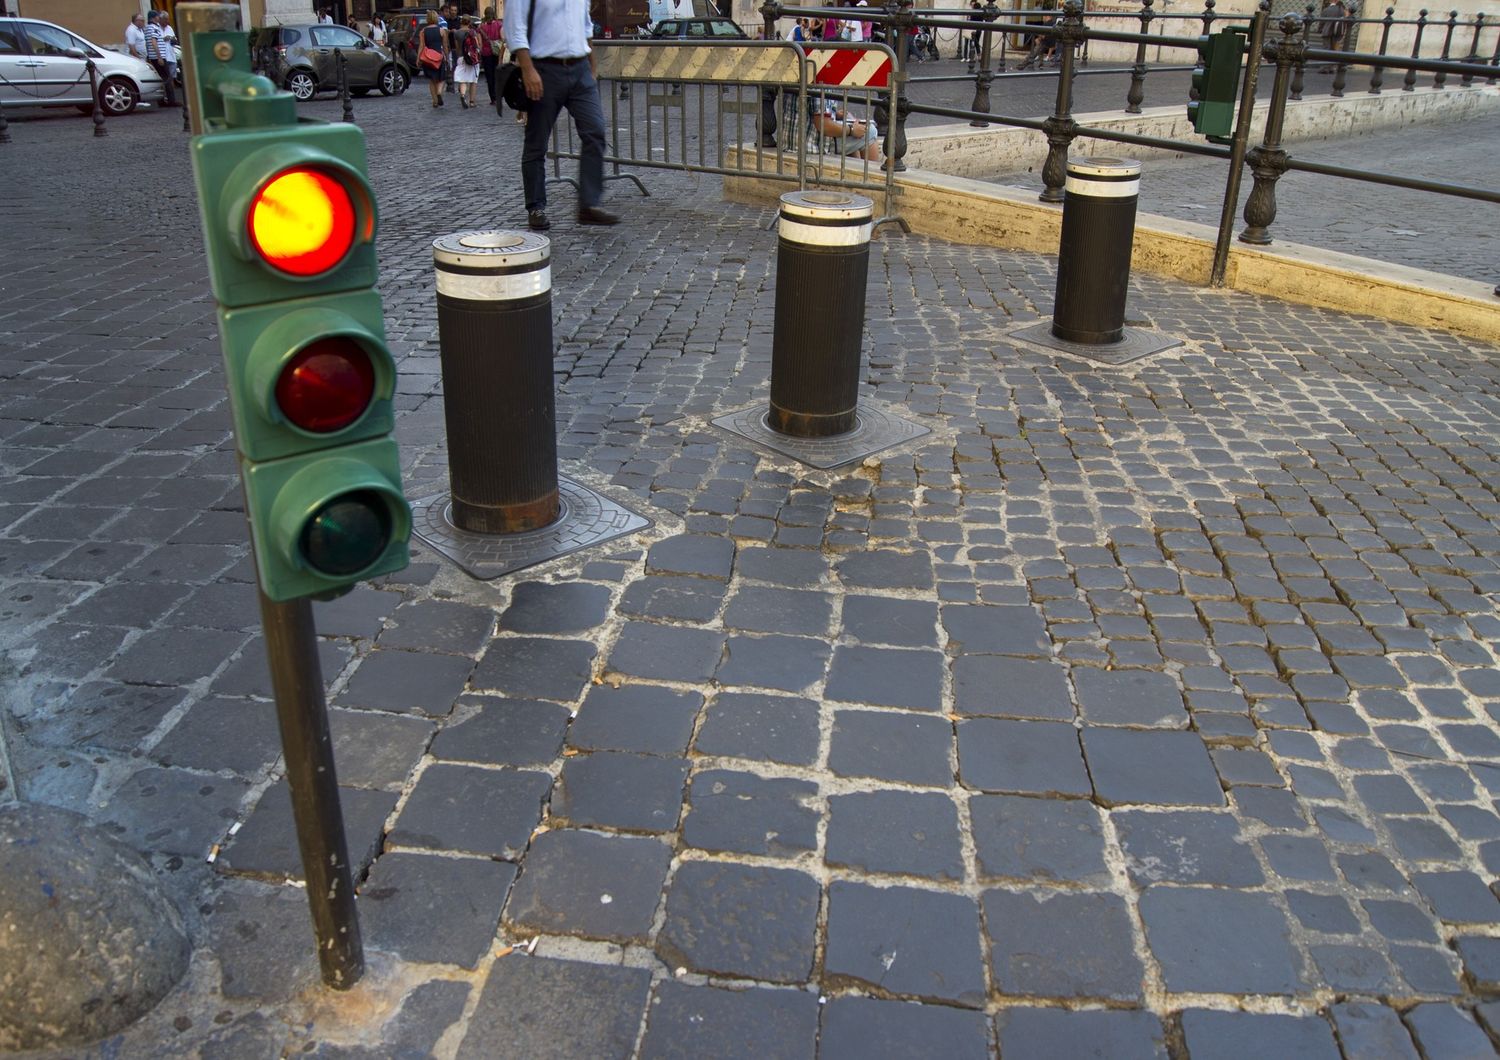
column 1216, row 79
column 289, row 224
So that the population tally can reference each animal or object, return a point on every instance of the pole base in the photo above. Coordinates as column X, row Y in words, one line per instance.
column 1134, row 345
column 875, row 429
column 587, row 518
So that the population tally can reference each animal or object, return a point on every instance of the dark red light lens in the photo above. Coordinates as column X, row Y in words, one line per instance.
column 326, row 386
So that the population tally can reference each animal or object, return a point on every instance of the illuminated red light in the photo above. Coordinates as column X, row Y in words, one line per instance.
column 302, row 222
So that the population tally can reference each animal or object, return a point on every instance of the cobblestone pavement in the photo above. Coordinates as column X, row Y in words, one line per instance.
column 1420, row 229
column 1132, row 713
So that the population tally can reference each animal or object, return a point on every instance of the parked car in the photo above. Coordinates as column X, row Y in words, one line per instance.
column 300, row 59
column 43, row 65
column 698, row 29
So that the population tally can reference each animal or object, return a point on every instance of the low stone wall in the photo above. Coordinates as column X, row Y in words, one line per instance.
column 961, row 210
column 962, row 151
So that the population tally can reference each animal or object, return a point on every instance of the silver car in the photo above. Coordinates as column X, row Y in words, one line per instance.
column 43, row 65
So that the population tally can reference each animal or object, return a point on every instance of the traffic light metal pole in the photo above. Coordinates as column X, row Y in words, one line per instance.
column 1239, row 146
column 307, row 746
column 297, row 682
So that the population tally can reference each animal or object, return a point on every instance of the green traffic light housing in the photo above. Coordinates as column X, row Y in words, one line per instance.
column 1216, row 80
column 291, row 404
column 325, row 519
column 289, row 224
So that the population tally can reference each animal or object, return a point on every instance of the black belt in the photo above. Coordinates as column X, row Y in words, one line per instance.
column 559, row 61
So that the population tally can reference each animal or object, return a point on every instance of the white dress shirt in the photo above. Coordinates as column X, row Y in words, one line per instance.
column 135, row 41
column 562, row 29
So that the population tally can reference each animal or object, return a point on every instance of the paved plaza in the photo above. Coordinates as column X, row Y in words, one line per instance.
column 1132, row 712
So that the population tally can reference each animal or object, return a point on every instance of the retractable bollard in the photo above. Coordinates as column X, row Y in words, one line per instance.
column 1093, row 266
column 822, row 261
column 494, row 294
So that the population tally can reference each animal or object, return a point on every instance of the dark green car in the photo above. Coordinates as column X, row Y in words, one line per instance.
column 300, row 58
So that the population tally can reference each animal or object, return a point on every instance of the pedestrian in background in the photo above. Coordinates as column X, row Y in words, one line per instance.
column 432, row 47
column 1333, row 27
column 466, row 61
column 491, row 51
column 135, row 37
column 158, row 53
column 378, row 32
column 550, row 40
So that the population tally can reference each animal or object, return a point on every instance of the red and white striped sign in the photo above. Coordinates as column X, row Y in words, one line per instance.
column 851, row 67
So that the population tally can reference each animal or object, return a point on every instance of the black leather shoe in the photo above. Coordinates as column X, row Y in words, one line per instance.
column 595, row 215
column 537, row 221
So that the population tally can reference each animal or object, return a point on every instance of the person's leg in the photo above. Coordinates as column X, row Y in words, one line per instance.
column 588, row 116
column 434, row 89
column 539, row 122
column 488, row 64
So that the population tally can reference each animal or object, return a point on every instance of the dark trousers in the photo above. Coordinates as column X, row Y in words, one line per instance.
column 487, row 66
column 165, row 71
column 572, row 86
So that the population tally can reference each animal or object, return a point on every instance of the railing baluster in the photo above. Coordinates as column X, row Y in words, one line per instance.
column 1341, row 69
column 1298, row 73
column 1268, row 161
column 1440, row 79
column 1473, row 56
column 983, row 79
column 1409, row 83
column 1377, row 73
column 1060, row 128
column 1137, row 91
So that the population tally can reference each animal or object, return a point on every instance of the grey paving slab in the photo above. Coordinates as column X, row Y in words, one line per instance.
column 1009, row 687
column 689, row 1021
column 888, row 1030
column 887, row 677
column 772, row 728
column 1219, row 941
column 261, row 936
column 408, row 682
column 748, row 814
column 1133, row 766
column 536, row 668
column 1369, row 1031
column 438, row 626
column 1187, row 847
column 1041, row 840
column 469, row 810
column 174, row 811
column 433, row 909
column 644, row 718
column 1235, row 1035
column 557, row 1009
column 560, row 608
column 1096, row 1034
column 266, row 844
column 905, row 942
column 911, row 833
column 239, row 735
column 628, row 792
column 510, row 732
column 1021, row 757
column 742, row 921
column 583, row 883
column 1062, row 945
column 890, row 745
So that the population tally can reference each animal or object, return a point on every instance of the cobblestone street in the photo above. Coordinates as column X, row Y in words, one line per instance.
column 1133, row 712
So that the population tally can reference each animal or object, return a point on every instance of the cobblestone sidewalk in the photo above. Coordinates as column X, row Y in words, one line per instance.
column 1136, row 712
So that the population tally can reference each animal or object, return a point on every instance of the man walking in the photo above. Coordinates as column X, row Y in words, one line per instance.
column 159, row 55
column 550, row 42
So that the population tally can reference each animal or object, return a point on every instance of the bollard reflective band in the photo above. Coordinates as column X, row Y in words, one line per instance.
column 490, row 286
column 492, row 266
column 826, row 218
column 1104, row 178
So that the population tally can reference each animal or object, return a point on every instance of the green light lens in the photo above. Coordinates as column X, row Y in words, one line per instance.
column 347, row 534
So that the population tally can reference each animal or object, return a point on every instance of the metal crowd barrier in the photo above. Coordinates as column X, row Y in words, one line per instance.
column 739, row 108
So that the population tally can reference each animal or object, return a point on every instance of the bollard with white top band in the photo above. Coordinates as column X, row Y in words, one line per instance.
column 494, row 294
column 822, row 261
column 1093, row 265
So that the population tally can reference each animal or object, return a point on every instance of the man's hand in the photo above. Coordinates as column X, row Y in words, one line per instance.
column 530, row 79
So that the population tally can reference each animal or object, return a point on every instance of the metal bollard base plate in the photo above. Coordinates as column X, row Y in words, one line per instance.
column 1135, row 345
column 875, row 429
column 587, row 519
